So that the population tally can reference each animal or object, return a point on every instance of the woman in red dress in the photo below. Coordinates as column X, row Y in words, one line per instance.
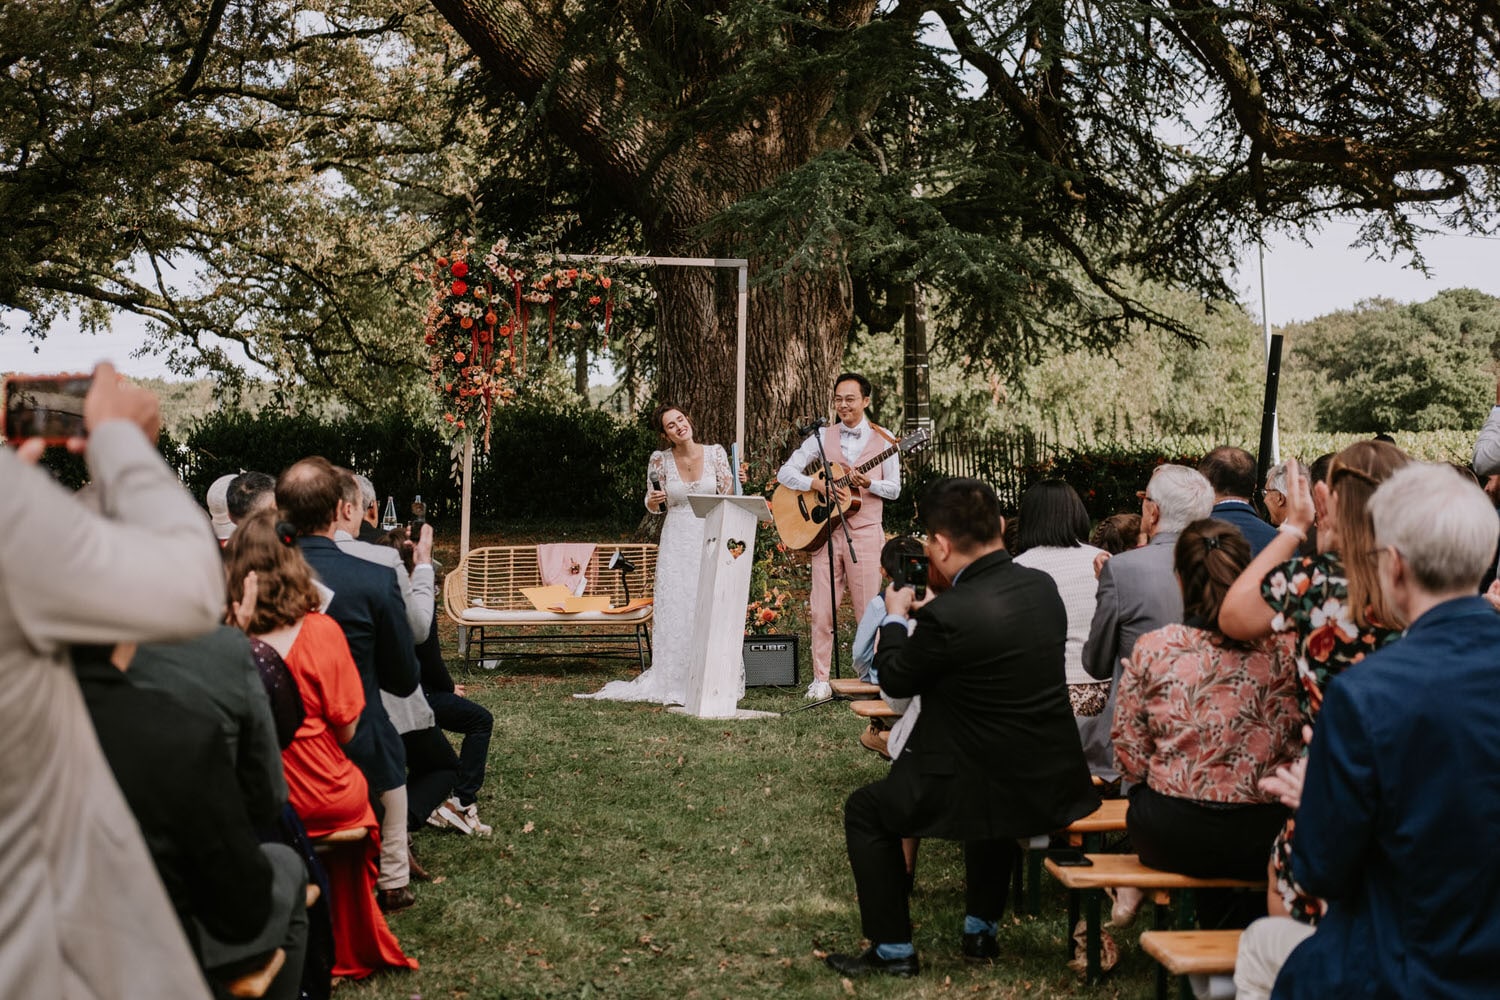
column 327, row 791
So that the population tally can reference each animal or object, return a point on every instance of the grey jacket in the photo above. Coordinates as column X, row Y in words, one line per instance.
column 1487, row 448
column 1138, row 593
column 95, row 923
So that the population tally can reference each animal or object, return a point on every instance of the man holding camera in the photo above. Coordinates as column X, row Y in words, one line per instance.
column 994, row 755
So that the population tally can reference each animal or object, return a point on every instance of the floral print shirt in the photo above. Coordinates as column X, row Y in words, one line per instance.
column 1310, row 596
column 1198, row 719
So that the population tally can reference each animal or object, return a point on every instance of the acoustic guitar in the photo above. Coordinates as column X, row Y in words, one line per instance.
column 804, row 519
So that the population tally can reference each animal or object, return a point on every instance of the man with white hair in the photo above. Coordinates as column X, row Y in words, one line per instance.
column 1397, row 794
column 1138, row 592
column 218, row 507
column 369, row 506
column 1276, row 494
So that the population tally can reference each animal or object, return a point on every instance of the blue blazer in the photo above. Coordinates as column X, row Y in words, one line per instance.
column 1399, row 815
column 368, row 607
column 1240, row 514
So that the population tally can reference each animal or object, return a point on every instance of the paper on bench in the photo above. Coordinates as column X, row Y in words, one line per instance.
column 543, row 598
column 573, row 605
column 635, row 605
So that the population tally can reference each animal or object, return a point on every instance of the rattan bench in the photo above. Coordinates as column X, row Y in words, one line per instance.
column 484, row 595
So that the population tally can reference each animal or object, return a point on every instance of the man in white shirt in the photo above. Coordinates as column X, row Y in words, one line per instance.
column 852, row 442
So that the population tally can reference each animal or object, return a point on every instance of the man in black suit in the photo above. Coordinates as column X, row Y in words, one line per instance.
column 994, row 755
column 368, row 607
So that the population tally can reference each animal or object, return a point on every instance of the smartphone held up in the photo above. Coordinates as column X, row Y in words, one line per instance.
column 914, row 574
column 49, row 407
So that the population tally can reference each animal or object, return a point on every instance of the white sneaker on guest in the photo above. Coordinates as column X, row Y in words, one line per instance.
column 818, row 690
column 471, row 816
column 450, row 815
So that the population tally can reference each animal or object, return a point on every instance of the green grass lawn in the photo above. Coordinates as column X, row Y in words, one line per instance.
column 639, row 853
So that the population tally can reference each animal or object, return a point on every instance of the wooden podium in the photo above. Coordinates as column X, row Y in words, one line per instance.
column 723, row 591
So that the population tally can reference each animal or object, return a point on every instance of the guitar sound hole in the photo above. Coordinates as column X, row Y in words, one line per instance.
column 819, row 515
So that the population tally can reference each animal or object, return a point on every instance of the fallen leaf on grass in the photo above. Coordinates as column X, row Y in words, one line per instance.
column 848, row 985
column 530, row 826
column 819, row 954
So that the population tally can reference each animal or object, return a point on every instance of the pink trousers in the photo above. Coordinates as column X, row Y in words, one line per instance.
column 862, row 580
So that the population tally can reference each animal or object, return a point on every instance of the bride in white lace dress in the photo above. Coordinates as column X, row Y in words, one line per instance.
column 685, row 467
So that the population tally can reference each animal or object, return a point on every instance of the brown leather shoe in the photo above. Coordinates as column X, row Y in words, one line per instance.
column 875, row 739
column 394, row 900
column 417, row 871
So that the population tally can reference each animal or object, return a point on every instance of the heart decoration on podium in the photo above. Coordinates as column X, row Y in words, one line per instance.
column 736, row 547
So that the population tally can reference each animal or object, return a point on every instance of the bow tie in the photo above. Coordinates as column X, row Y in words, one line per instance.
column 851, row 432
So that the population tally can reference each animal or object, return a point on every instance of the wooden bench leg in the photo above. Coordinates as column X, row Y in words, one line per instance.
column 1092, row 944
column 1073, row 902
column 1034, row 895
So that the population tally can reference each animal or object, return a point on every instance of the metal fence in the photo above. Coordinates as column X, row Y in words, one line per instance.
column 1000, row 459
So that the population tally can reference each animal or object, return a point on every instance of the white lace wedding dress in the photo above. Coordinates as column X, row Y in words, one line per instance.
column 678, row 556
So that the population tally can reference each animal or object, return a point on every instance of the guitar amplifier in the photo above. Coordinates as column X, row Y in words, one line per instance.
column 770, row 661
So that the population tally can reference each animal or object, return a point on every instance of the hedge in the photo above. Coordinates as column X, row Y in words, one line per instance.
column 574, row 463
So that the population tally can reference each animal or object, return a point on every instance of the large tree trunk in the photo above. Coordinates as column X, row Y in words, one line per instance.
column 796, row 327
column 794, row 343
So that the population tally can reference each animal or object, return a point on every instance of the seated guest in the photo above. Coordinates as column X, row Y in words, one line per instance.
column 1117, row 533
column 1330, row 603
column 367, row 605
column 369, row 500
column 249, row 492
column 1199, row 720
column 892, row 558
column 1231, row 472
column 218, row 508
column 216, row 676
column 1276, row 494
column 1402, row 769
column 1137, row 592
column 238, row 900
column 328, row 792
column 994, row 755
column 1054, row 525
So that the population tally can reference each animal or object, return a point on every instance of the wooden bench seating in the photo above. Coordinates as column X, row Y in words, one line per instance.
column 1190, row 953
column 873, row 708
column 1115, row 870
column 853, row 688
column 1084, row 832
column 483, row 594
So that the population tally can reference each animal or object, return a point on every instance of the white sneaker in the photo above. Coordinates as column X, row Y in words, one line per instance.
column 471, row 815
column 450, row 816
column 818, row 690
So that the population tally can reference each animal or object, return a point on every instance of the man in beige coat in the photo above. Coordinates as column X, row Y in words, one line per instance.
column 82, row 912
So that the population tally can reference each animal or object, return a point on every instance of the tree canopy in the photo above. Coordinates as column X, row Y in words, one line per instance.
column 1385, row 366
column 1035, row 164
column 258, row 171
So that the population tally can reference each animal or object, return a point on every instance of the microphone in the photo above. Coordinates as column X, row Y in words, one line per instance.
column 811, row 425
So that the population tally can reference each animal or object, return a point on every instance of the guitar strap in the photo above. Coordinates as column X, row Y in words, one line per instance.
column 883, row 433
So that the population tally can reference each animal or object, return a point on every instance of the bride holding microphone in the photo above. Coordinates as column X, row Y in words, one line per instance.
column 682, row 467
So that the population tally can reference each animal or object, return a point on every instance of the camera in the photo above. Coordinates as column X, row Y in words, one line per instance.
column 913, row 573
column 49, row 407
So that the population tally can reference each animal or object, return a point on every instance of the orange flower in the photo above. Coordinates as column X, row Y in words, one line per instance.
column 767, row 616
column 490, row 318
column 594, row 300
column 442, row 262
column 458, row 356
column 448, row 417
column 466, row 322
column 460, row 425
column 430, row 340
column 604, row 281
